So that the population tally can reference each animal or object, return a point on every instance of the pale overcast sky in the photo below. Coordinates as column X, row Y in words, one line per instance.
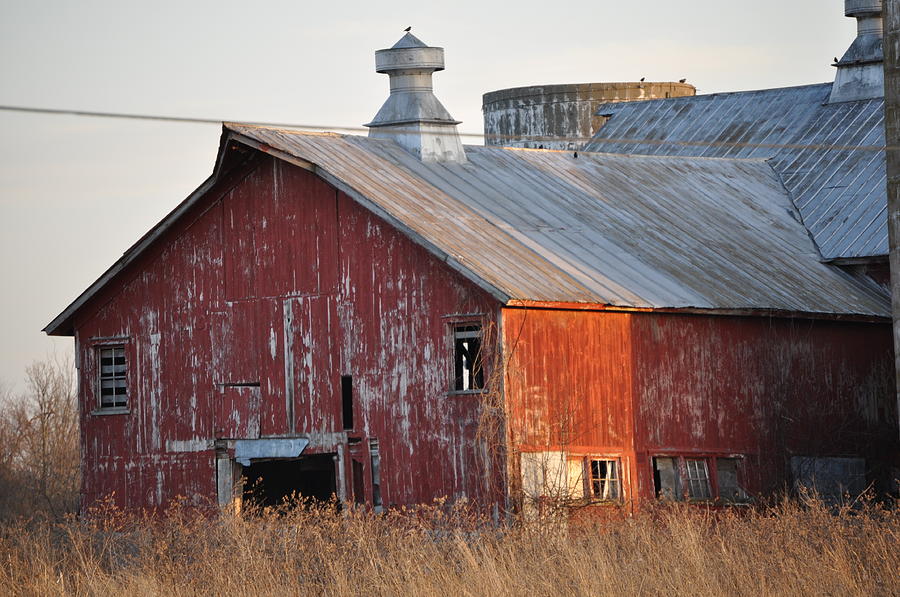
column 76, row 192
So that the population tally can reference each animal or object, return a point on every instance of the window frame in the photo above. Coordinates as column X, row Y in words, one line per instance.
column 98, row 349
column 456, row 324
column 685, row 479
column 589, row 479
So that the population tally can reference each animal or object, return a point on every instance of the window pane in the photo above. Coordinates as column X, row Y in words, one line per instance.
column 112, row 374
column 468, row 374
column 604, row 479
column 726, row 473
column 698, row 479
column 665, row 478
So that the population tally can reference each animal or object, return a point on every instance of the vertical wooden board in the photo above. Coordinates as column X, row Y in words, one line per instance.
column 235, row 343
column 273, row 391
column 239, row 225
column 104, row 482
column 568, row 379
column 395, row 342
column 292, row 251
column 762, row 388
column 302, row 234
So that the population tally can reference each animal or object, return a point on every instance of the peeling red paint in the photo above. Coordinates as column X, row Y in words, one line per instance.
column 279, row 276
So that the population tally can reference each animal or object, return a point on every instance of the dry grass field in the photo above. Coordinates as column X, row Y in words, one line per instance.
column 786, row 549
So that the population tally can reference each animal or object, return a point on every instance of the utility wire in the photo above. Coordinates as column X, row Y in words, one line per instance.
column 192, row 120
column 399, row 130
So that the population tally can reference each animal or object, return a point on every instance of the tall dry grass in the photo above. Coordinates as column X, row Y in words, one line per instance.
column 786, row 549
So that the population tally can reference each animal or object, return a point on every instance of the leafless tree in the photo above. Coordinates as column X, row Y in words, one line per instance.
column 39, row 450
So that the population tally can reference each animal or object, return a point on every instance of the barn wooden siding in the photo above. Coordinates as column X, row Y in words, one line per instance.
column 637, row 385
column 278, row 279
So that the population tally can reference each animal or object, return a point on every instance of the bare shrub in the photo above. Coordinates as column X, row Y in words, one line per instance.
column 39, row 449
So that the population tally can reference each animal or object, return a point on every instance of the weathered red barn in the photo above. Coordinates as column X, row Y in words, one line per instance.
column 397, row 318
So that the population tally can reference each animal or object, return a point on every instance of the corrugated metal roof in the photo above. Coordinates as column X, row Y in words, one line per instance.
column 538, row 225
column 657, row 232
column 830, row 156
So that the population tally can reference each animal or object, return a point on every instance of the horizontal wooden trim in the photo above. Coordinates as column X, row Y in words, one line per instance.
column 771, row 313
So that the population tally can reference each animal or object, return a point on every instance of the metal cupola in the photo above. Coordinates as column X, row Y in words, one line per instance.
column 412, row 116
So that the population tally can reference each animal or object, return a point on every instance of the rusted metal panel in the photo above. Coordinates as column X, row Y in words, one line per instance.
column 831, row 157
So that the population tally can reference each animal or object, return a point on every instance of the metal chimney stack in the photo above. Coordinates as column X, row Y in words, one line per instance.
column 412, row 116
column 860, row 72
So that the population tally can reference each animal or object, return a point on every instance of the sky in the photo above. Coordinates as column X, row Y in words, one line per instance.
column 76, row 192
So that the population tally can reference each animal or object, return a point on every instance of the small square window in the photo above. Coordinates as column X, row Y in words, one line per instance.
column 467, row 365
column 113, row 388
column 603, row 479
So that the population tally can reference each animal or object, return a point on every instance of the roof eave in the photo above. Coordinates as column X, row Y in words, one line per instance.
column 735, row 312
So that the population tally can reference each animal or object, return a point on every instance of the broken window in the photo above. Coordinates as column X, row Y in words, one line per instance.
column 698, row 479
column 665, row 478
column 603, row 476
column 468, row 371
column 831, row 478
column 678, row 478
column 113, row 388
column 727, row 478
column 375, row 457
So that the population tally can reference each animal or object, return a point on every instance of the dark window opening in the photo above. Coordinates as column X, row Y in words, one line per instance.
column 113, row 388
column 359, row 484
column 347, row 400
column 468, row 370
column 831, row 478
column 604, row 479
column 375, row 458
column 665, row 478
column 272, row 482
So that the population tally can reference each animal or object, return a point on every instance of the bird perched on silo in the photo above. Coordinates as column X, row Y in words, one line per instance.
column 682, row 80
column 408, row 28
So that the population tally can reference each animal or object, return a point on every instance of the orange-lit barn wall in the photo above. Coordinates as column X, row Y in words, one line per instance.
column 207, row 306
column 645, row 384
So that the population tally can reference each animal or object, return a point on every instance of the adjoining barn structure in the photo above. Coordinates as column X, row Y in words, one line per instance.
column 397, row 318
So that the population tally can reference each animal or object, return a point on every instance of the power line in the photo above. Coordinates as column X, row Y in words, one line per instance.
column 399, row 130
column 191, row 120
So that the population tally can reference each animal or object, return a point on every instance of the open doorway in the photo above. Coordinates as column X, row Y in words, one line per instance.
column 271, row 482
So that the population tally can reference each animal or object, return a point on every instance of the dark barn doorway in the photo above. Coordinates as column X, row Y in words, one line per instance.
column 270, row 482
